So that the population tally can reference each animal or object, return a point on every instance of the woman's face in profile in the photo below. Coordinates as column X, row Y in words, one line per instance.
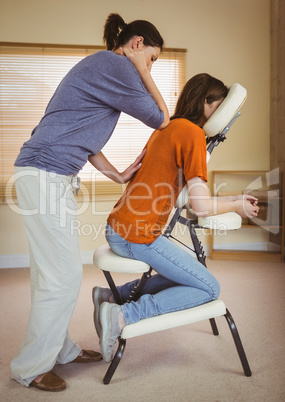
column 151, row 55
column 210, row 108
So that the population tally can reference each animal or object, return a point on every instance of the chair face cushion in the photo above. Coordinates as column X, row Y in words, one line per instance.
column 226, row 111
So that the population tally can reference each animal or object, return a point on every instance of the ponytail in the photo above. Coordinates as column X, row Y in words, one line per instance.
column 113, row 26
column 117, row 33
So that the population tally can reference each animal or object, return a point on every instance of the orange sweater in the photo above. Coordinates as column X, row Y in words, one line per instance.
column 174, row 156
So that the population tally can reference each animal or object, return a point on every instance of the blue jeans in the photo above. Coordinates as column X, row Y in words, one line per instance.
column 181, row 281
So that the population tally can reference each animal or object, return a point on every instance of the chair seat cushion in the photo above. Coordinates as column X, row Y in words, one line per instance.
column 106, row 260
column 209, row 310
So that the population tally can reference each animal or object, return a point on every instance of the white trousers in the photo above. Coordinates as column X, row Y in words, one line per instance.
column 48, row 206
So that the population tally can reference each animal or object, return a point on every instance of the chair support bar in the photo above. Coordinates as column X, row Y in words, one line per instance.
column 113, row 288
column 217, row 139
column 137, row 292
column 238, row 343
column 115, row 362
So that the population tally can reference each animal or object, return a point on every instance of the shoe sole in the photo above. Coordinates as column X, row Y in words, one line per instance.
column 106, row 332
column 47, row 389
column 96, row 318
column 50, row 382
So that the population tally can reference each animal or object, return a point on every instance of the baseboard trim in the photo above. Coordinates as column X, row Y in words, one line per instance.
column 259, row 246
column 23, row 260
column 14, row 261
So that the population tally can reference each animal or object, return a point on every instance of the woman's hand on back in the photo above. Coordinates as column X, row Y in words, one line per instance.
column 127, row 174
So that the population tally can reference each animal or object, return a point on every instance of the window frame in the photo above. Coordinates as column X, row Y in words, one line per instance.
column 104, row 189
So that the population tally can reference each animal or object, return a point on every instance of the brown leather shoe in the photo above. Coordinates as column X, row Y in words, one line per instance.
column 88, row 356
column 50, row 382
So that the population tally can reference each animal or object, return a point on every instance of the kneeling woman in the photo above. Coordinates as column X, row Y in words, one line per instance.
column 174, row 156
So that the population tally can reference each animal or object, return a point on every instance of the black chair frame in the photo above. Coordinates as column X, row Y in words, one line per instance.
column 192, row 225
column 198, row 249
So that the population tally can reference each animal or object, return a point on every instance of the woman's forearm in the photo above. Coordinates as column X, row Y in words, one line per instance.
column 137, row 57
column 204, row 205
column 101, row 163
column 153, row 90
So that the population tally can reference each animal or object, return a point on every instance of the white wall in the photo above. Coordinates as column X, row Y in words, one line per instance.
column 226, row 38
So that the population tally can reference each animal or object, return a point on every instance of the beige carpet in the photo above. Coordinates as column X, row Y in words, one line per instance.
column 182, row 364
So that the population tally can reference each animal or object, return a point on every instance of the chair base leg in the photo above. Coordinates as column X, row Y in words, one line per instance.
column 115, row 362
column 214, row 326
column 113, row 287
column 238, row 343
column 247, row 371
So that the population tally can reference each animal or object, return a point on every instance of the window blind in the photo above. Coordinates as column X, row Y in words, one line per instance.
column 29, row 75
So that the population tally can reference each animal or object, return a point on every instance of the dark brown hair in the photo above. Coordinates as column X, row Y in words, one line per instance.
column 201, row 87
column 117, row 33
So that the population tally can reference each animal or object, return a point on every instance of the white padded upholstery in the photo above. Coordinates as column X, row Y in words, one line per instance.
column 226, row 111
column 209, row 310
column 105, row 259
column 182, row 199
column 227, row 221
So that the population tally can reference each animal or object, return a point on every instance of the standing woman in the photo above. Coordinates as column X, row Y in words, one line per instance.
column 78, row 121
